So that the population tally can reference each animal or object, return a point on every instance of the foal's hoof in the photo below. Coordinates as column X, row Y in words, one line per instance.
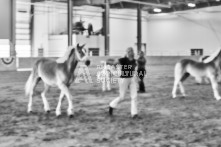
column 47, row 112
column 30, row 112
column 71, row 116
column 183, row 97
column 58, row 116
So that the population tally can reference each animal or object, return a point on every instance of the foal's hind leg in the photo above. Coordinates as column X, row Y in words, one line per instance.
column 182, row 90
column 33, row 85
column 176, row 82
column 179, row 81
column 177, row 78
column 44, row 99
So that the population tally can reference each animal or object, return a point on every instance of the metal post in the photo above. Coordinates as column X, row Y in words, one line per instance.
column 70, row 24
column 12, row 34
column 139, row 29
column 32, row 29
column 107, row 27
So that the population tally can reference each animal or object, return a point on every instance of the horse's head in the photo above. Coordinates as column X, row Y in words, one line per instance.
column 78, row 53
column 82, row 54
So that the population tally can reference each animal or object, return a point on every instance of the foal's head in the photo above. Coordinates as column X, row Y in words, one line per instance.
column 83, row 54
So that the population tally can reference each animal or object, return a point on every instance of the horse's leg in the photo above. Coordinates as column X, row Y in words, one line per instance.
column 109, row 81
column 30, row 102
column 31, row 92
column 215, row 86
column 58, row 109
column 177, row 78
column 108, row 85
column 67, row 93
column 44, row 99
column 103, row 82
column 182, row 90
column 176, row 82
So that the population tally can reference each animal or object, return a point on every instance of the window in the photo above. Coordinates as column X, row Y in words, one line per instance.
column 94, row 51
column 196, row 52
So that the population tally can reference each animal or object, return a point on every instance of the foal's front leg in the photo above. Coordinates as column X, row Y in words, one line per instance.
column 67, row 93
column 58, row 109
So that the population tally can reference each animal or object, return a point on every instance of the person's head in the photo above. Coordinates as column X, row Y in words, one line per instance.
column 141, row 53
column 130, row 52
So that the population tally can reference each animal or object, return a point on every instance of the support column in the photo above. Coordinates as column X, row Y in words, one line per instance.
column 70, row 22
column 12, row 33
column 106, row 27
column 32, row 28
column 139, row 29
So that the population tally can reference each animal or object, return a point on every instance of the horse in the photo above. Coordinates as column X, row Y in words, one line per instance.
column 207, row 59
column 187, row 67
column 56, row 73
column 204, row 80
column 104, row 76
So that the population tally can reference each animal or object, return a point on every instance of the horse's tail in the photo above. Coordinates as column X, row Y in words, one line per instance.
column 32, row 80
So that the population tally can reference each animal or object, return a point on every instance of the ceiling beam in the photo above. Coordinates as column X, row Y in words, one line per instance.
column 142, row 3
column 115, row 1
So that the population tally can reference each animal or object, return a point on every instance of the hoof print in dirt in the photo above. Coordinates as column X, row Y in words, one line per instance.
column 102, row 140
column 129, row 136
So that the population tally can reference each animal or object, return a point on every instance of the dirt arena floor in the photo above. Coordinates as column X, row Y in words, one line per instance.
column 194, row 121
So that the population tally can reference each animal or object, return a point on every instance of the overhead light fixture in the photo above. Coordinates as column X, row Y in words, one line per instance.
column 218, row 0
column 191, row 5
column 157, row 10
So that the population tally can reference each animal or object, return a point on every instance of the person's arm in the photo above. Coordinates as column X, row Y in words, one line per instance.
column 141, row 60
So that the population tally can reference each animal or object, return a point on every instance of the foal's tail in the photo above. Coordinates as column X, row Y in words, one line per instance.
column 32, row 80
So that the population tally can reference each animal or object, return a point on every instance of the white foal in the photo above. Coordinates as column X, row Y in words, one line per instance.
column 199, row 70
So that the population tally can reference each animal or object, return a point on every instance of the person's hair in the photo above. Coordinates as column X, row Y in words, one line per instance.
column 129, row 48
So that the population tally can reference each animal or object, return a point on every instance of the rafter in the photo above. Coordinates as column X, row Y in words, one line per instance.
column 143, row 3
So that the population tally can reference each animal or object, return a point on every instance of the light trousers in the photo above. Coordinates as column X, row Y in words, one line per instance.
column 124, row 84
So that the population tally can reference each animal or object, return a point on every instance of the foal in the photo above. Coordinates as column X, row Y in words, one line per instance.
column 54, row 73
column 199, row 70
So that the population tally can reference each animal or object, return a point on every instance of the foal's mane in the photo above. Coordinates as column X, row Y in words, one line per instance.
column 213, row 57
column 68, row 53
